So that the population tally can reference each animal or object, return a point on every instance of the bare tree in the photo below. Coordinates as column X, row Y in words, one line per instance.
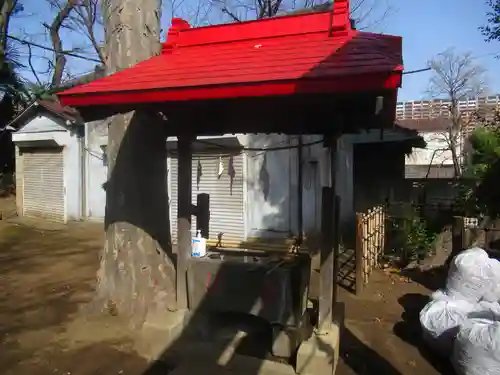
column 48, row 65
column 11, row 84
column 456, row 78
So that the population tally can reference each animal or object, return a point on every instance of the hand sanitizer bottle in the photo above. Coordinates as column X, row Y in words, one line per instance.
column 195, row 245
column 202, row 244
column 199, row 245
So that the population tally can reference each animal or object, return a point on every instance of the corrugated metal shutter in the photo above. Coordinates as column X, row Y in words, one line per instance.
column 226, row 201
column 44, row 183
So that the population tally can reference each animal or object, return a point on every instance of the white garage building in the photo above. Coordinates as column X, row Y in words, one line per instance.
column 49, row 160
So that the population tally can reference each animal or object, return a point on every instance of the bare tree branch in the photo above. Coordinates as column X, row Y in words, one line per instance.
column 366, row 13
column 87, row 18
column 196, row 13
column 32, row 68
column 59, row 57
column 230, row 14
column 201, row 13
column 370, row 14
column 45, row 48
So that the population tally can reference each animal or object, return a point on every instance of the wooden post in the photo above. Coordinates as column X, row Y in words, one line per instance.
column 488, row 233
column 457, row 241
column 336, row 249
column 360, row 277
column 327, row 243
column 384, row 218
column 203, row 214
column 327, row 260
column 300, row 191
column 366, row 247
column 369, row 241
column 184, row 187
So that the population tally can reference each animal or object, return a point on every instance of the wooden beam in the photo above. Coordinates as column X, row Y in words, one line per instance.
column 184, row 217
column 284, row 114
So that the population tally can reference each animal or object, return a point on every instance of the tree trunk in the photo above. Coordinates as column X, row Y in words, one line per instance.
column 456, row 160
column 6, row 9
column 136, row 274
column 455, row 137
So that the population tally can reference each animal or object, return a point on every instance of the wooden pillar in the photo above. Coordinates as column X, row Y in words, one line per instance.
column 327, row 267
column 184, row 211
column 300, row 190
column 326, row 259
column 203, row 214
column 336, row 248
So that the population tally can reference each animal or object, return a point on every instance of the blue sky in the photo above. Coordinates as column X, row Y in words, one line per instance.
column 427, row 27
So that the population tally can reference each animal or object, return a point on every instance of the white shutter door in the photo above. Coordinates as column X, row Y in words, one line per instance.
column 44, row 184
column 226, row 198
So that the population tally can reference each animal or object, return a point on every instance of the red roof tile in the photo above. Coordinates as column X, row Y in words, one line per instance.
column 425, row 125
column 57, row 109
column 281, row 55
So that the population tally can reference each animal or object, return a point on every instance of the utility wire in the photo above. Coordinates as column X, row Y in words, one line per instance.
column 417, row 71
column 227, row 149
column 474, row 57
column 279, row 148
column 52, row 50
column 92, row 153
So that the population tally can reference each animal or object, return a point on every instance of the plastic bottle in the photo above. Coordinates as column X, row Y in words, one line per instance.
column 199, row 245
column 202, row 245
column 195, row 246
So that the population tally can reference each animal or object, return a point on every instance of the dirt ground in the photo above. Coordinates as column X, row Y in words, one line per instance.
column 47, row 275
column 382, row 327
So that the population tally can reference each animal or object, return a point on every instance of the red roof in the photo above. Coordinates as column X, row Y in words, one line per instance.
column 276, row 56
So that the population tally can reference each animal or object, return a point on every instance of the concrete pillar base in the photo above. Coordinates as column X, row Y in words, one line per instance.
column 159, row 332
column 320, row 353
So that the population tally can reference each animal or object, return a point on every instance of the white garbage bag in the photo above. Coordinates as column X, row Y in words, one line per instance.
column 472, row 276
column 440, row 320
column 486, row 310
column 493, row 292
column 441, row 294
column 477, row 348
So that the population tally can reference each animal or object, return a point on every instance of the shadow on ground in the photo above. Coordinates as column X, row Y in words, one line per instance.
column 431, row 279
column 409, row 330
column 362, row 359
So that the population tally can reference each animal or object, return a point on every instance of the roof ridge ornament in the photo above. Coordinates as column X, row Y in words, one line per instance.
column 337, row 20
column 178, row 25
